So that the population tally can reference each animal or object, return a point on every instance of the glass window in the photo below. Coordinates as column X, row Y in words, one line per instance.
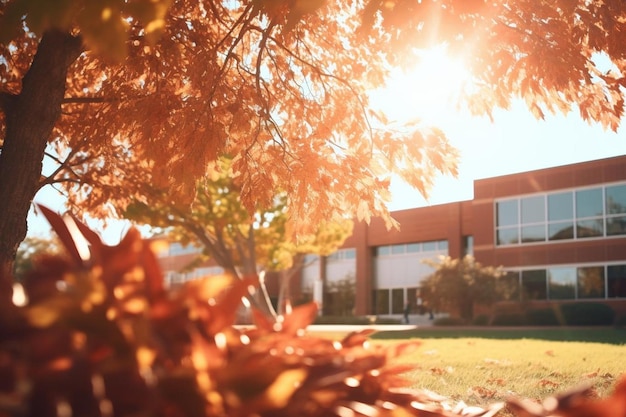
column 561, row 230
column 589, row 203
column 383, row 250
column 591, row 282
column 616, row 225
column 429, row 246
column 508, row 236
column 506, row 212
column 411, row 296
column 468, row 245
column 397, row 249
column 560, row 206
column 616, row 280
column 533, row 233
column 533, row 209
column 589, row 228
column 349, row 253
column 443, row 245
column 616, row 199
column 397, row 300
column 381, row 301
column 534, row 284
column 562, row 283
column 413, row 247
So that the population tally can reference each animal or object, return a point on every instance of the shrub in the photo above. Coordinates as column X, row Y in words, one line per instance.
column 449, row 321
column 481, row 320
column 620, row 321
column 587, row 314
column 543, row 317
column 509, row 319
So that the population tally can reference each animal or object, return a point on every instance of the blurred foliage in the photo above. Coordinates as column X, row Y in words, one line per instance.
column 457, row 285
column 99, row 336
column 234, row 238
column 31, row 248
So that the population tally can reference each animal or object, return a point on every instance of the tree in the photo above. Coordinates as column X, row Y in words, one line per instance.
column 243, row 244
column 30, row 249
column 120, row 92
column 260, row 80
column 458, row 285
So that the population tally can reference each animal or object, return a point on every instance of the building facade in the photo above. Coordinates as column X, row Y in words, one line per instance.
column 560, row 232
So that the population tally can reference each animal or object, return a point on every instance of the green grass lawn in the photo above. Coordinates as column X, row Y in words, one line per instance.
column 485, row 366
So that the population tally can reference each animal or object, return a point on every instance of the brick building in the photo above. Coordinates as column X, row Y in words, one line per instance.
column 561, row 232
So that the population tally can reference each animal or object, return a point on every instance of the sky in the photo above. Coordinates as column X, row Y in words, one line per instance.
column 514, row 141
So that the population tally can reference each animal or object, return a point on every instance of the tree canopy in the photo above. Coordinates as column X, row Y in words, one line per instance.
column 243, row 244
column 118, row 93
column 458, row 285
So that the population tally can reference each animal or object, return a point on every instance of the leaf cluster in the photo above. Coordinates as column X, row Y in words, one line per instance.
column 218, row 222
column 99, row 336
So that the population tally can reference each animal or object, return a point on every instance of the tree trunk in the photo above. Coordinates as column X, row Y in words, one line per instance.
column 30, row 117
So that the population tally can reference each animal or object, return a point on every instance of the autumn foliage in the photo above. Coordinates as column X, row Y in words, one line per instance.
column 100, row 336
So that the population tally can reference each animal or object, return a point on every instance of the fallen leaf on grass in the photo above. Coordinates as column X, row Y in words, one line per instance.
column 441, row 371
column 496, row 381
column 548, row 383
column 482, row 392
column 497, row 362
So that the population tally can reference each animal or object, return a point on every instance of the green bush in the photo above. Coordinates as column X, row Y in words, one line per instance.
column 587, row 314
column 543, row 317
column 510, row 319
column 620, row 321
column 481, row 320
column 449, row 321
column 358, row 320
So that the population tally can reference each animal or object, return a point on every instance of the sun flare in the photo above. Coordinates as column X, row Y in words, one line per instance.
column 428, row 91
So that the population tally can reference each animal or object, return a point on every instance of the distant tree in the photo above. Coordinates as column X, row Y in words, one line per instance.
column 30, row 249
column 241, row 243
column 457, row 285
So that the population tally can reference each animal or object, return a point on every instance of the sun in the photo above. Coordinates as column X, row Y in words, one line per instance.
column 429, row 91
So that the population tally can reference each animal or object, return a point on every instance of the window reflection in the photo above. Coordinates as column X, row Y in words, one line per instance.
column 616, row 281
column 591, row 282
column 616, row 225
column 562, row 283
column 589, row 203
column 561, row 206
column 533, row 209
column 589, row 228
column 533, row 233
column 577, row 214
column 507, row 213
column 561, row 230
column 534, row 285
column 616, row 199
column 508, row 236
